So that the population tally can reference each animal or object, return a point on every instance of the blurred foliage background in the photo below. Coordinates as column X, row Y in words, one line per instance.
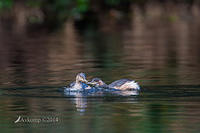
column 53, row 13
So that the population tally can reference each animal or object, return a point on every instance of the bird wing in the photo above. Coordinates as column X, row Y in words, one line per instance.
column 118, row 83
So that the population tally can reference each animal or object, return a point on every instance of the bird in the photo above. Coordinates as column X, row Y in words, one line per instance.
column 80, row 84
column 122, row 84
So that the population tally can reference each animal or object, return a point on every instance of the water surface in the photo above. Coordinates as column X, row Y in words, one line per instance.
column 160, row 52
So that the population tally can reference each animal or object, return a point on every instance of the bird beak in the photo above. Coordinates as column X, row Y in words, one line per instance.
column 92, row 83
column 84, row 80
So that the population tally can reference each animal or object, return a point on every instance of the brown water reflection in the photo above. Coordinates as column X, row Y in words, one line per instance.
column 154, row 45
column 157, row 45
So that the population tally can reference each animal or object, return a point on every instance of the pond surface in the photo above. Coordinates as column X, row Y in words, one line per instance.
column 163, row 56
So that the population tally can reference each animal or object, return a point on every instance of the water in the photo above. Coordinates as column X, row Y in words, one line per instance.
column 161, row 55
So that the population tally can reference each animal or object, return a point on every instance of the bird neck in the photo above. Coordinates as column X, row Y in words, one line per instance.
column 78, row 82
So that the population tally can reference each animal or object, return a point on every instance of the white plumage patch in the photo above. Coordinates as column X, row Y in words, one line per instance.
column 130, row 85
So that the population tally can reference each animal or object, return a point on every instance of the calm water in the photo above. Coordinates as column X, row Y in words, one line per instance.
column 162, row 53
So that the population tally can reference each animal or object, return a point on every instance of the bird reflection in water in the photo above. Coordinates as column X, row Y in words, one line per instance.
column 79, row 99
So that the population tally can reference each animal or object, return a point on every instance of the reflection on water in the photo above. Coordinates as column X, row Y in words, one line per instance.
column 80, row 102
column 80, row 98
column 149, row 48
column 158, row 46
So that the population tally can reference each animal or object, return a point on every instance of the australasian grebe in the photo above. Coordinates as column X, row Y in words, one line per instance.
column 122, row 84
column 80, row 84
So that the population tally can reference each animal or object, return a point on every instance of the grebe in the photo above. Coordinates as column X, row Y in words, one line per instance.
column 80, row 84
column 122, row 84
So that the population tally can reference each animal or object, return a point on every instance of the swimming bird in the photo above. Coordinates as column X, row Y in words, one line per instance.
column 80, row 84
column 122, row 84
